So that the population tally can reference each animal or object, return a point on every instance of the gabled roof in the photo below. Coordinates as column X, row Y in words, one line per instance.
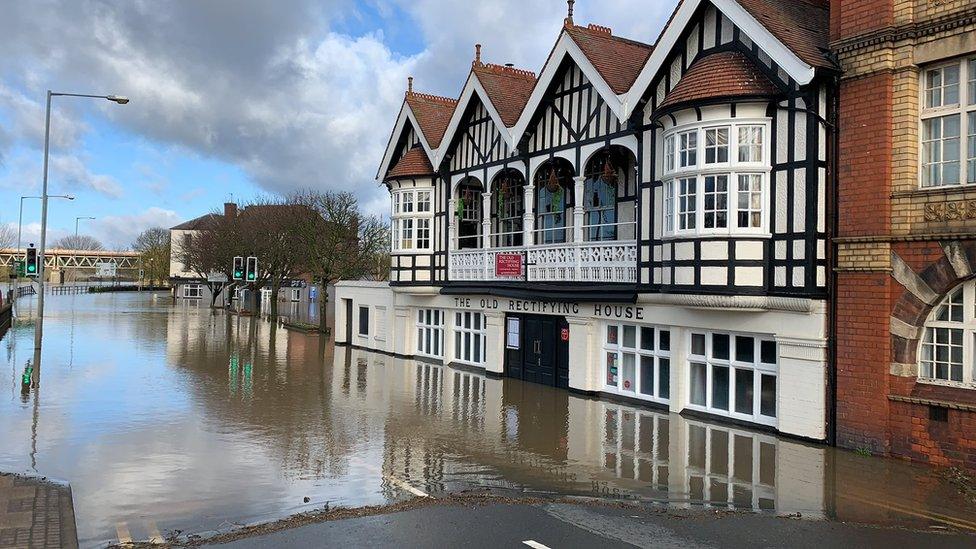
column 433, row 113
column 618, row 60
column 429, row 116
column 726, row 74
column 197, row 224
column 791, row 32
column 508, row 89
column 413, row 163
column 803, row 25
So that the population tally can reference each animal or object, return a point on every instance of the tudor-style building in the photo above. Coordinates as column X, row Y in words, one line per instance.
column 639, row 221
column 906, row 301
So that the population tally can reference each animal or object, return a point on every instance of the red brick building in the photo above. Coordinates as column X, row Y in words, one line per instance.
column 905, row 254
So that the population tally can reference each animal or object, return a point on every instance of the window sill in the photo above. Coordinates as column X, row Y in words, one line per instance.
column 758, row 420
column 700, row 236
column 944, row 190
column 413, row 252
column 948, row 384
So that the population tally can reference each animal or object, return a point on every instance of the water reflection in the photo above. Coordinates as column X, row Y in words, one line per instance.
column 177, row 417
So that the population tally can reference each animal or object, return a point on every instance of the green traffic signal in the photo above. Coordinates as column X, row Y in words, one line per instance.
column 32, row 268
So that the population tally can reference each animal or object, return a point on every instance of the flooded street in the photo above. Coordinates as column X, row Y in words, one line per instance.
column 167, row 418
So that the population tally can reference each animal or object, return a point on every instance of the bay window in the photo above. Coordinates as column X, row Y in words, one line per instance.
column 412, row 220
column 717, row 185
column 948, row 124
column 733, row 375
column 946, row 350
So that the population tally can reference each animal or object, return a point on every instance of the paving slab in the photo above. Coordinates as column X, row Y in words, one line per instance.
column 36, row 512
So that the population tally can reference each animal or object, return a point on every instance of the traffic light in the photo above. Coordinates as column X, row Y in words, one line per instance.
column 31, row 266
column 252, row 269
column 238, row 268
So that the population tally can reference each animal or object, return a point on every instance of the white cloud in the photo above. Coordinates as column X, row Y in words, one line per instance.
column 120, row 231
column 268, row 86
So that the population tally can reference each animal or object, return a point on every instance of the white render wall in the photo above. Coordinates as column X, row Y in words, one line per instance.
column 800, row 339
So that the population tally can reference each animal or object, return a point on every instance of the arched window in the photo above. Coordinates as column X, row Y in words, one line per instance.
column 468, row 214
column 553, row 182
column 508, row 205
column 609, row 174
column 946, row 351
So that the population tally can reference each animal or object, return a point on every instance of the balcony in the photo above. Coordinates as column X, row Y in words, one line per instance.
column 599, row 261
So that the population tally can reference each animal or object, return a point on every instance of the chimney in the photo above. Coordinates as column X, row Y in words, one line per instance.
column 569, row 13
column 230, row 210
column 477, row 55
column 409, row 84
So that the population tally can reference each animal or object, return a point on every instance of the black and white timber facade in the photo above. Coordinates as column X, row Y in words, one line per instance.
column 639, row 221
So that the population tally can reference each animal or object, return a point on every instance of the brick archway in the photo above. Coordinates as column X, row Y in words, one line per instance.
column 925, row 276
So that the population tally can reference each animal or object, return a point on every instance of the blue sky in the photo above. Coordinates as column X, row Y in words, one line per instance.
column 239, row 98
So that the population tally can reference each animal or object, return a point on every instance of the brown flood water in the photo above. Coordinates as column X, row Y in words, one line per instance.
column 169, row 418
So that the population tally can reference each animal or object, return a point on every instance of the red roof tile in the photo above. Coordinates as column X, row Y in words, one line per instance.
column 802, row 25
column 725, row 74
column 618, row 60
column 433, row 113
column 413, row 163
column 508, row 89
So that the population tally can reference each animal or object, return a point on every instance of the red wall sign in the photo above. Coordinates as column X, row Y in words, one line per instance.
column 508, row 265
column 564, row 333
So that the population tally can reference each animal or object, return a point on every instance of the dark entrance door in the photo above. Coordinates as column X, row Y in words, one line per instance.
column 542, row 356
column 348, row 304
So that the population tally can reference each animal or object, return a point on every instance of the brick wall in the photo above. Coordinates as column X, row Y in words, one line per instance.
column 865, row 156
column 887, row 222
column 862, row 360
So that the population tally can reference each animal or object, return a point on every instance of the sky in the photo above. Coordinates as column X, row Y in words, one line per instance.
column 238, row 99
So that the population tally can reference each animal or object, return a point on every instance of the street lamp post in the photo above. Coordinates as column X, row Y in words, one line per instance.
column 39, row 322
column 77, row 219
column 20, row 223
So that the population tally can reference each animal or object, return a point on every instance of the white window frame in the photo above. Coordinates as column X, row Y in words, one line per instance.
column 965, row 109
column 430, row 333
column 359, row 319
column 619, row 348
column 465, row 334
column 411, row 220
column 757, row 366
column 196, row 289
column 296, row 294
column 733, row 168
column 966, row 326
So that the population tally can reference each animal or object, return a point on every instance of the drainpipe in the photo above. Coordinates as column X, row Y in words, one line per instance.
column 833, row 212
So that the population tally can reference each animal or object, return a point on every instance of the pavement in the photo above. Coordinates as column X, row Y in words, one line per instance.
column 561, row 525
column 35, row 512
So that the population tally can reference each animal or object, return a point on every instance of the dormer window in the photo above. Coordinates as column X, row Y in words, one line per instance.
column 715, row 178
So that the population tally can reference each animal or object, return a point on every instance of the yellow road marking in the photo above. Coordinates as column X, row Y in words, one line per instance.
column 936, row 517
column 123, row 532
column 154, row 535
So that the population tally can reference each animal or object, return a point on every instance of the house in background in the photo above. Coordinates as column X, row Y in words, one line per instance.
column 189, row 287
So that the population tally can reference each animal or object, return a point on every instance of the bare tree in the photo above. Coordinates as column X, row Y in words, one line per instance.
column 78, row 242
column 272, row 228
column 8, row 236
column 154, row 250
column 341, row 243
column 211, row 250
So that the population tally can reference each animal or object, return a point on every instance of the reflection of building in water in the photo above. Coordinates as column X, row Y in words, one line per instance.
column 459, row 428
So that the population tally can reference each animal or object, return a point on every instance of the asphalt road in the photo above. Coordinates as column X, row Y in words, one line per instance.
column 559, row 526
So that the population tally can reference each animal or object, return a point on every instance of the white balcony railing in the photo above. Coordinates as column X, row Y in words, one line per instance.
column 604, row 261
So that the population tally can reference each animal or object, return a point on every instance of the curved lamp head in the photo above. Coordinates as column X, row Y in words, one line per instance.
column 120, row 99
